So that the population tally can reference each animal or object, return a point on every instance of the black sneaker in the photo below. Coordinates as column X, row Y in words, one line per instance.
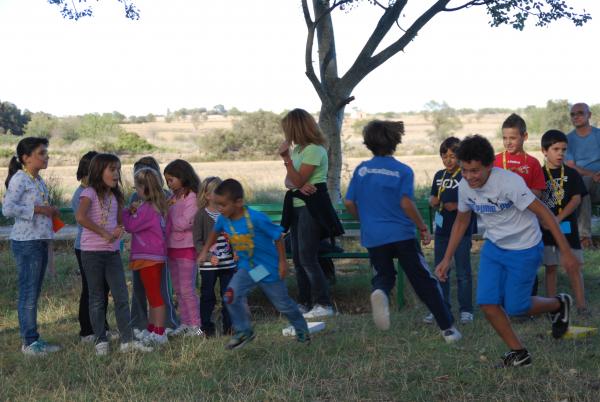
column 516, row 359
column 562, row 318
column 240, row 339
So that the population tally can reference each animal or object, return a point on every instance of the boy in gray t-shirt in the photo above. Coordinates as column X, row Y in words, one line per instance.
column 513, row 248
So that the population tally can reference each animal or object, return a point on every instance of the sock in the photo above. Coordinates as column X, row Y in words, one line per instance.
column 150, row 327
column 159, row 330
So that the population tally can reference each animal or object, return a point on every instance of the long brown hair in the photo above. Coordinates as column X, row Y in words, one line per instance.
column 301, row 128
column 95, row 181
column 185, row 173
column 149, row 180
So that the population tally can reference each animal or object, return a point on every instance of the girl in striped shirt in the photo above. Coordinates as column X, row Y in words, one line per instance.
column 222, row 262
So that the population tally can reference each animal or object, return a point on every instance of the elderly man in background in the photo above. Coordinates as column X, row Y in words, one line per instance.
column 583, row 154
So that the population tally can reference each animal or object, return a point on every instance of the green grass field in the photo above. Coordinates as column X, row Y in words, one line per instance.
column 350, row 360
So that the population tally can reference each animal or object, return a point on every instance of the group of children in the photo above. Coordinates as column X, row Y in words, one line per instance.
column 206, row 227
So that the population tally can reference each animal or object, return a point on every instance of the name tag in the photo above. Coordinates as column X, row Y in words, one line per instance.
column 565, row 227
column 258, row 273
column 439, row 220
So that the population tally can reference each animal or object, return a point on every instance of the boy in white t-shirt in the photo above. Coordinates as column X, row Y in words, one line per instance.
column 513, row 248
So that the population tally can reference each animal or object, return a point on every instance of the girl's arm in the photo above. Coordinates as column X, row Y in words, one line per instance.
column 298, row 177
column 212, row 239
column 183, row 218
column 12, row 206
column 84, row 220
column 410, row 209
column 138, row 222
column 198, row 234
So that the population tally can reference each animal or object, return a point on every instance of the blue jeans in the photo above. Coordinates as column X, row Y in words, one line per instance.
column 32, row 258
column 237, row 302
column 464, row 281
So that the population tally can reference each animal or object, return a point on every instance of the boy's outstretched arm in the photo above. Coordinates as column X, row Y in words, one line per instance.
column 202, row 256
column 280, row 244
column 462, row 222
column 410, row 209
column 568, row 259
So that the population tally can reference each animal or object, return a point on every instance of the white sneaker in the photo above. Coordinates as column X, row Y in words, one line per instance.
column 193, row 331
column 428, row 319
column 155, row 339
column 466, row 317
column 179, row 330
column 451, row 335
column 102, row 348
column 319, row 311
column 135, row 346
column 88, row 338
column 35, row 349
column 381, row 309
column 141, row 335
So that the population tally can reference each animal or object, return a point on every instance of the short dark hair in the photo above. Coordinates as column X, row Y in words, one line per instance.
column 450, row 143
column 476, row 148
column 551, row 137
column 84, row 164
column 515, row 121
column 185, row 173
column 231, row 189
column 382, row 137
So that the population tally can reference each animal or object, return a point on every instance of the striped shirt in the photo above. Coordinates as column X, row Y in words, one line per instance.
column 103, row 214
column 221, row 249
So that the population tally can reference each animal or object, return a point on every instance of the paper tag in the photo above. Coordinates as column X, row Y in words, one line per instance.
column 439, row 220
column 565, row 227
column 258, row 273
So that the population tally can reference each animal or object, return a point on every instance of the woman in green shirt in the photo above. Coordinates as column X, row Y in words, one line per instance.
column 306, row 170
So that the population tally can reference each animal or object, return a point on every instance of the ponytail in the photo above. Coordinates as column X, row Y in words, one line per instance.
column 13, row 167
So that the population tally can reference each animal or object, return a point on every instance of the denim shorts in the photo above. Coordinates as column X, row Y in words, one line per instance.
column 506, row 277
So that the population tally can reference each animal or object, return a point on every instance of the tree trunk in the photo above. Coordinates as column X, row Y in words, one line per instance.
column 330, row 121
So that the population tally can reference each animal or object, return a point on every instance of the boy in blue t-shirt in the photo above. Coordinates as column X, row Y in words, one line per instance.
column 513, row 248
column 444, row 199
column 380, row 194
column 262, row 262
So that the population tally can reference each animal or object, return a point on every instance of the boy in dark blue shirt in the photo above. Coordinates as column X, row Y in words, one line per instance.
column 444, row 199
column 380, row 194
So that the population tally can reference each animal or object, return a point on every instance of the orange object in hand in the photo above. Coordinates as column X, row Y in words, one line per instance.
column 57, row 224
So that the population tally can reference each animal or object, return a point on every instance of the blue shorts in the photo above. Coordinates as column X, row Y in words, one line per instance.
column 506, row 276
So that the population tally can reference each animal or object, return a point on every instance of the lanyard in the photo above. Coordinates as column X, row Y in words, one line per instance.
column 105, row 212
column 442, row 188
column 559, row 192
column 41, row 190
column 504, row 159
column 244, row 242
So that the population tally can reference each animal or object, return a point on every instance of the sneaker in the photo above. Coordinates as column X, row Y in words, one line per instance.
column 34, row 349
column 49, row 347
column 303, row 337
column 102, row 348
column 135, row 346
column 193, row 331
column 240, row 339
column 381, row 309
column 451, row 335
column 466, row 317
column 141, row 335
column 319, row 311
column 428, row 319
column 303, row 308
column 562, row 318
column 155, row 339
column 88, row 338
column 516, row 359
column 179, row 330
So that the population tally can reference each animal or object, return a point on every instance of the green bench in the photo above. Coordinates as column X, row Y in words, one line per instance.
column 351, row 226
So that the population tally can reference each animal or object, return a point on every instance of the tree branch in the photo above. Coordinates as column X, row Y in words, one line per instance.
column 310, row 38
column 468, row 4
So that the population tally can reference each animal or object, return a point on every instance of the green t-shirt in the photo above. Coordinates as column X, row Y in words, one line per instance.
column 311, row 155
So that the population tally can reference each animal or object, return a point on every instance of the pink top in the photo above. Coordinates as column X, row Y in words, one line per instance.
column 102, row 214
column 180, row 220
column 147, row 228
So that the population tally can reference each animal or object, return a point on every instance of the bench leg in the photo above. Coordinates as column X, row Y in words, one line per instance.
column 400, row 287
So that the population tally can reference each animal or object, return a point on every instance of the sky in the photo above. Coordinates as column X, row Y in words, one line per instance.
column 250, row 55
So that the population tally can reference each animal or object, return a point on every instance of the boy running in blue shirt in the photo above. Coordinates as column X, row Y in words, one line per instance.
column 262, row 262
column 513, row 248
column 380, row 194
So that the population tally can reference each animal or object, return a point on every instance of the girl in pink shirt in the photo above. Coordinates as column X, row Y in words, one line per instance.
column 99, row 215
column 145, row 221
column 183, row 182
